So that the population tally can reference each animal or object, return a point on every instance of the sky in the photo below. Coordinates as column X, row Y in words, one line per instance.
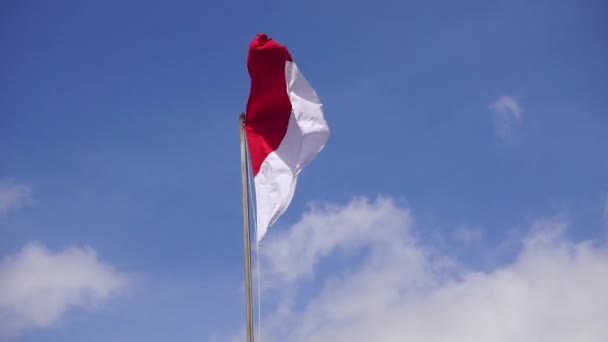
column 462, row 195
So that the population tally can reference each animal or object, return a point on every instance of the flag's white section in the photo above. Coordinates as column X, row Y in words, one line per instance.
column 276, row 181
column 308, row 111
column 307, row 133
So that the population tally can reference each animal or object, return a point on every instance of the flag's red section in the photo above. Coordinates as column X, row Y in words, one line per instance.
column 268, row 106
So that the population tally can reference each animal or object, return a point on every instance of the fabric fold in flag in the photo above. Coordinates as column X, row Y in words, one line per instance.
column 285, row 128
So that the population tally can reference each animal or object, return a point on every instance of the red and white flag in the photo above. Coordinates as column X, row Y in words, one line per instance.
column 285, row 127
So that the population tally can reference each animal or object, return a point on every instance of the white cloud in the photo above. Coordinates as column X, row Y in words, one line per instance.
column 396, row 289
column 38, row 286
column 12, row 196
column 322, row 231
column 507, row 113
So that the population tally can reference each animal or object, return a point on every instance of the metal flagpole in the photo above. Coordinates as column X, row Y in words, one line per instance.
column 246, row 238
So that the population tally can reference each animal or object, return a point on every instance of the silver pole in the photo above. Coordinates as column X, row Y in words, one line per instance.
column 246, row 238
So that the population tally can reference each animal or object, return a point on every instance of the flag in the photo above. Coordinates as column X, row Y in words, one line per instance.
column 285, row 128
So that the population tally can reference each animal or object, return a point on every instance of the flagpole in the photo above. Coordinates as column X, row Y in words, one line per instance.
column 246, row 238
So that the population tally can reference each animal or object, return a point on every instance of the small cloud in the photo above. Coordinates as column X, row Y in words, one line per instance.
column 467, row 235
column 13, row 196
column 38, row 286
column 507, row 113
column 606, row 211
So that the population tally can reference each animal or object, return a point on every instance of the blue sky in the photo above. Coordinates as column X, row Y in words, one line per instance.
column 118, row 131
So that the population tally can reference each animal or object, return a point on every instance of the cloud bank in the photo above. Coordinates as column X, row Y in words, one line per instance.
column 395, row 288
column 38, row 286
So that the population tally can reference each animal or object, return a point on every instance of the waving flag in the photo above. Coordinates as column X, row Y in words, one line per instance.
column 285, row 127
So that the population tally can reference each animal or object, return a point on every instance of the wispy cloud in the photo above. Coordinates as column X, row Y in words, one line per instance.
column 606, row 211
column 468, row 235
column 507, row 114
column 402, row 290
column 38, row 286
column 12, row 196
